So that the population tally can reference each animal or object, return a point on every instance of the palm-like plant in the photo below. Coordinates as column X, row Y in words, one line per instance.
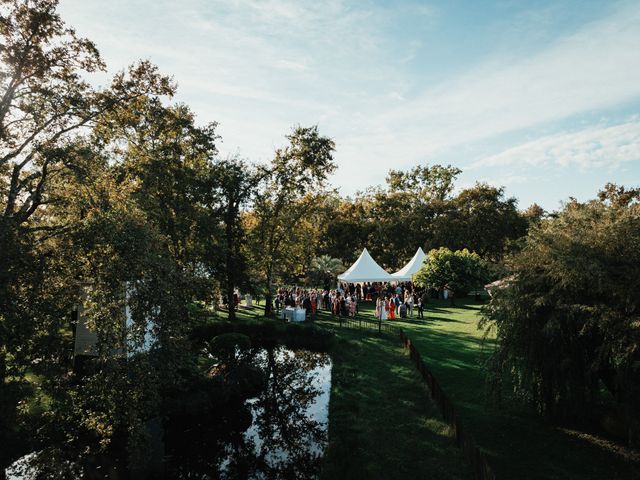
column 324, row 270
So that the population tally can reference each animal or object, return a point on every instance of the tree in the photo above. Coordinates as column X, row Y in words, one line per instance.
column 44, row 104
column 293, row 188
column 459, row 271
column 45, row 100
column 482, row 220
column 428, row 183
column 324, row 271
column 344, row 226
column 619, row 196
column 568, row 320
column 402, row 216
column 534, row 214
column 234, row 182
column 169, row 159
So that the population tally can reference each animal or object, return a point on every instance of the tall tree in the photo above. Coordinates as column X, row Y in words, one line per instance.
column 425, row 182
column 44, row 104
column 234, row 183
column 404, row 215
column 481, row 219
column 345, row 225
column 169, row 161
column 293, row 188
column 459, row 271
column 324, row 271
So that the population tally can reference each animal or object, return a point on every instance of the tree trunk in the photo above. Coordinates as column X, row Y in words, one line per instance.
column 230, row 297
column 268, row 310
column 9, row 257
column 230, row 261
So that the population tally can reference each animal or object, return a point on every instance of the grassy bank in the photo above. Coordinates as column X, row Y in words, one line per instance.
column 518, row 443
column 382, row 424
column 370, row 373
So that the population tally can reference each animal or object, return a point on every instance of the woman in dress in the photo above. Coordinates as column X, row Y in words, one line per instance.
column 379, row 308
column 392, row 309
column 384, row 308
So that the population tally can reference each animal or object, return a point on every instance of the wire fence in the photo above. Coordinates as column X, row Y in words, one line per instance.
column 360, row 322
column 464, row 439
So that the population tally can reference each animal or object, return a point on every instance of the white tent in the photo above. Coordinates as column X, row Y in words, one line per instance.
column 365, row 269
column 406, row 273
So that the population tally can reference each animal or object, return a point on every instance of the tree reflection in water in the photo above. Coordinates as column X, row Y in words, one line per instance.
column 289, row 430
column 278, row 431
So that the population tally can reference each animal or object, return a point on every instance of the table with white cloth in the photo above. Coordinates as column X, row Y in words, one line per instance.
column 291, row 314
column 288, row 313
column 299, row 315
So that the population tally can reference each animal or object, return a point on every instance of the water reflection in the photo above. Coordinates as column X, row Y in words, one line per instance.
column 264, row 416
column 280, row 433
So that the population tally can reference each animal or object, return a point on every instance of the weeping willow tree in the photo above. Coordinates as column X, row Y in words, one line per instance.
column 568, row 320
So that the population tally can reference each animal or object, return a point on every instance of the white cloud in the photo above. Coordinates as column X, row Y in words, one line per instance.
column 594, row 147
column 259, row 67
column 596, row 68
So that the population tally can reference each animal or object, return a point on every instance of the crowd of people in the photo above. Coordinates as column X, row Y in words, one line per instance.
column 338, row 301
column 401, row 304
column 392, row 301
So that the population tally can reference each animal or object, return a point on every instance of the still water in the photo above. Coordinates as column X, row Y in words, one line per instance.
column 288, row 431
column 279, row 431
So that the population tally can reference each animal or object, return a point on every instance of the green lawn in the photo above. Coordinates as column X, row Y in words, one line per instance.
column 379, row 420
column 517, row 442
column 382, row 424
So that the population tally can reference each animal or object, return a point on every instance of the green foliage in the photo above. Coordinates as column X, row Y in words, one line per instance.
column 324, row 270
column 456, row 351
column 265, row 334
column 459, row 271
column 113, row 199
column 233, row 184
column 418, row 209
column 568, row 321
column 281, row 218
column 435, row 182
column 482, row 220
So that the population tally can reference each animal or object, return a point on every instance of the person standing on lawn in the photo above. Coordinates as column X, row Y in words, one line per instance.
column 397, row 301
column 408, row 300
column 420, row 309
column 384, row 308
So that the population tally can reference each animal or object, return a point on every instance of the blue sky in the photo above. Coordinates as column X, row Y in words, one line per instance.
column 540, row 97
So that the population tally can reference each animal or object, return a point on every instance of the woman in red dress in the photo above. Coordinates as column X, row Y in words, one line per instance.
column 392, row 309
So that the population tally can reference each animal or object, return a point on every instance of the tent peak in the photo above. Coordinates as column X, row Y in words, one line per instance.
column 365, row 269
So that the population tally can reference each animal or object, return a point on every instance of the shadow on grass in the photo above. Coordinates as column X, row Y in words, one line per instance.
column 518, row 443
column 382, row 424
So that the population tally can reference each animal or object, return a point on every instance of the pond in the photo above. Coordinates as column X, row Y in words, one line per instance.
column 269, row 421
column 288, row 431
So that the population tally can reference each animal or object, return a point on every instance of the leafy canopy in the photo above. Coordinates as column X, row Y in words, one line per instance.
column 459, row 271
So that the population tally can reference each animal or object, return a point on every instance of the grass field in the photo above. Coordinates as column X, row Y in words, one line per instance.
column 517, row 442
column 382, row 424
